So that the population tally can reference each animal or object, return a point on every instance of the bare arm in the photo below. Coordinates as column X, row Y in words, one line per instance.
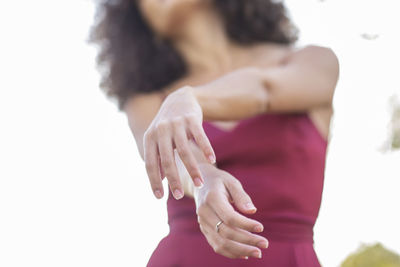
column 140, row 112
column 303, row 81
column 238, row 236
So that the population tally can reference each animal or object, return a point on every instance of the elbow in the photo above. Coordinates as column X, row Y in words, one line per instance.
column 329, row 69
column 333, row 66
column 328, row 62
column 333, row 71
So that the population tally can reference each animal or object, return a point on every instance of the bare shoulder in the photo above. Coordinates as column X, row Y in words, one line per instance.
column 268, row 54
column 323, row 61
column 318, row 59
column 323, row 58
column 312, row 50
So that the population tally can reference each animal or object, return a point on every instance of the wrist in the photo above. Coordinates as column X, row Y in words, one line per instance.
column 186, row 90
column 208, row 172
column 200, row 96
column 205, row 167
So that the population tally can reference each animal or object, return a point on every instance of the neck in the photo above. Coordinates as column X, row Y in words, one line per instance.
column 203, row 42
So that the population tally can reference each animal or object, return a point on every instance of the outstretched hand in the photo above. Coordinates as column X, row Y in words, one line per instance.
column 228, row 232
column 177, row 122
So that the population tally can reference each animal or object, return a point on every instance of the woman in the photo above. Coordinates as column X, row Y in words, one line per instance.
column 223, row 105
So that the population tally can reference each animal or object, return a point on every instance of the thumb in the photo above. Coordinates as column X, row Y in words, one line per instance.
column 239, row 197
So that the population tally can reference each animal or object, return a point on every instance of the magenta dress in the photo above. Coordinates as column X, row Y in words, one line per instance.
column 280, row 161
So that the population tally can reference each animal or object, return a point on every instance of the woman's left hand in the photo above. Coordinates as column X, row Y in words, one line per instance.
column 178, row 120
column 228, row 231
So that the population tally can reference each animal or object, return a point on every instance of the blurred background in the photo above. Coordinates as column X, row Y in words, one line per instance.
column 73, row 188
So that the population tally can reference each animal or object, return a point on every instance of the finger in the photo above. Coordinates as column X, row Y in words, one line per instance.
column 241, row 236
column 239, row 197
column 202, row 141
column 168, row 164
column 225, row 211
column 186, row 155
column 237, row 249
column 227, row 247
column 152, row 167
column 209, row 219
column 214, row 242
column 221, row 245
column 159, row 165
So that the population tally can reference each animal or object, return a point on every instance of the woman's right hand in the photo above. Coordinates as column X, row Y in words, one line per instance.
column 235, row 237
column 178, row 121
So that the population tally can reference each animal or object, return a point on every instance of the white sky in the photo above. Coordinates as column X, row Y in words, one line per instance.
column 73, row 189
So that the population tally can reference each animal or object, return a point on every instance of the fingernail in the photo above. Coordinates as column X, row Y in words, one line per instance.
column 212, row 159
column 178, row 194
column 258, row 228
column 262, row 244
column 158, row 194
column 244, row 257
column 256, row 254
column 198, row 182
column 250, row 206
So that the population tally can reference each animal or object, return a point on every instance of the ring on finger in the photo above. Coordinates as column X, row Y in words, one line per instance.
column 218, row 225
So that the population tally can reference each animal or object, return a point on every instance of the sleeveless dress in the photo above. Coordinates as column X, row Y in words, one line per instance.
column 280, row 161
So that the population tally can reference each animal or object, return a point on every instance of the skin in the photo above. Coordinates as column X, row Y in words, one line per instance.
column 226, row 82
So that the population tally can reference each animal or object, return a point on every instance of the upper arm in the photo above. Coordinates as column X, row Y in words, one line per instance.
column 140, row 111
column 305, row 79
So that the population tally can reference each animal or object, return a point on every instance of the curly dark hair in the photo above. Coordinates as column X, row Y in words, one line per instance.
column 132, row 60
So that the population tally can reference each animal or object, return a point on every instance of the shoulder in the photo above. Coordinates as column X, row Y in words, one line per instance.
column 269, row 54
column 310, row 55
column 322, row 58
column 322, row 61
column 312, row 50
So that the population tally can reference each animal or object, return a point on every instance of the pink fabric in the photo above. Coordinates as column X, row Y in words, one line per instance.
column 280, row 161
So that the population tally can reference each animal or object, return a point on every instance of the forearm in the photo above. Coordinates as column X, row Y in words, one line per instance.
column 237, row 95
column 303, row 81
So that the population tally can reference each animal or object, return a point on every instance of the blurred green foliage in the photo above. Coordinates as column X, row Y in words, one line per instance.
column 375, row 255
column 393, row 141
column 395, row 123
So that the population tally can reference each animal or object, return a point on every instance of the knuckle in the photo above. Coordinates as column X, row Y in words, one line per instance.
column 174, row 183
column 235, row 183
column 150, row 165
column 177, row 121
column 167, row 163
column 224, row 246
column 217, row 248
column 147, row 136
column 226, row 233
column 162, row 126
column 192, row 169
column 203, row 142
column 203, row 137
column 254, row 241
column 183, row 151
column 190, row 117
column 230, row 220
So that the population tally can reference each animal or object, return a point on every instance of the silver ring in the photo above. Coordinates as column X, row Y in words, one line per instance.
column 217, row 226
